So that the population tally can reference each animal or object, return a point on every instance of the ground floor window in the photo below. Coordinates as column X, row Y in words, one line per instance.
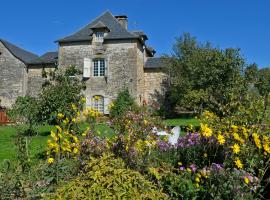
column 98, row 103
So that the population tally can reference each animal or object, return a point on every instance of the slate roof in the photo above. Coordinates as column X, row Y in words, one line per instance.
column 47, row 58
column 117, row 31
column 140, row 33
column 98, row 25
column 21, row 54
column 154, row 63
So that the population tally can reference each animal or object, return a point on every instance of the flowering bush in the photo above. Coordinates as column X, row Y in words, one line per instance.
column 135, row 139
column 221, row 155
column 108, row 178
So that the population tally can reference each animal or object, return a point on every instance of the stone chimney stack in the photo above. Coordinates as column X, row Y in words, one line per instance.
column 123, row 20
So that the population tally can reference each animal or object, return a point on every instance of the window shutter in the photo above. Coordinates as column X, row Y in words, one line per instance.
column 86, row 67
column 106, row 105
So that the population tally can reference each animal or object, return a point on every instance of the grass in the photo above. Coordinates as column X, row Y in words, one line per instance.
column 37, row 143
column 182, row 122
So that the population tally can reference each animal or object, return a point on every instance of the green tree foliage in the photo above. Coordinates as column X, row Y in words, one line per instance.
column 63, row 89
column 123, row 103
column 25, row 110
column 205, row 77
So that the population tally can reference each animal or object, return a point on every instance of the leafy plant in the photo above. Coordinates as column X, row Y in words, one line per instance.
column 123, row 103
column 108, row 178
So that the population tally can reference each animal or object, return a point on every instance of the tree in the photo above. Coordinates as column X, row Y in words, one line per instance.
column 123, row 103
column 25, row 110
column 63, row 89
column 205, row 77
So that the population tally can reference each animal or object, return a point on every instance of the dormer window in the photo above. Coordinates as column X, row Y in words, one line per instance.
column 99, row 36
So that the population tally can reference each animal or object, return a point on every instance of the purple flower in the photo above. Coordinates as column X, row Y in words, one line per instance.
column 193, row 167
column 164, row 146
column 182, row 168
column 217, row 166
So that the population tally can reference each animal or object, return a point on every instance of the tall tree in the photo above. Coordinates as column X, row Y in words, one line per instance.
column 205, row 77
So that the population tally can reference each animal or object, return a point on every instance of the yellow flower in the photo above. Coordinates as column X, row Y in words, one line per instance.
column 238, row 163
column 75, row 150
column 74, row 107
column 205, row 155
column 180, row 163
column 145, row 122
column 74, row 120
column 83, row 99
column 111, row 105
column 245, row 132
column 235, row 128
column 238, row 138
column 236, row 148
column 266, row 148
column 66, row 121
column 53, row 135
column 58, row 128
column 197, row 179
column 206, row 131
column 188, row 170
column 257, row 140
column 246, row 180
column 60, row 116
column 50, row 160
column 221, row 139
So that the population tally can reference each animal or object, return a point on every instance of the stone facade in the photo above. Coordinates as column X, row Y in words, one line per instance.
column 155, row 86
column 122, row 60
column 13, row 77
column 35, row 79
column 125, row 53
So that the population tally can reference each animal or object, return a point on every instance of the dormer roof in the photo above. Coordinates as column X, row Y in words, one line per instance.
column 117, row 31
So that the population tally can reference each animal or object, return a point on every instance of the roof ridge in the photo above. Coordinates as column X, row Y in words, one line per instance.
column 25, row 60
column 107, row 11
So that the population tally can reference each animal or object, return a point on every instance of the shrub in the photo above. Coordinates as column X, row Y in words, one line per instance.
column 135, row 138
column 59, row 93
column 123, row 103
column 108, row 178
column 25, row 110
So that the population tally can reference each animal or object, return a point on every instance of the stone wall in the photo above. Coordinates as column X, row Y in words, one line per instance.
column 155, row 85
column 121, row 57
column 13, row 77
column 35, row 79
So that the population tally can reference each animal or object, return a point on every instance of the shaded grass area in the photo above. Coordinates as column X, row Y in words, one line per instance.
column 182, row 122
column 37, row 143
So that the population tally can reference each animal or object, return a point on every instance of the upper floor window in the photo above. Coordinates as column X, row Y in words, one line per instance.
column 99, row 36
column 99, row 67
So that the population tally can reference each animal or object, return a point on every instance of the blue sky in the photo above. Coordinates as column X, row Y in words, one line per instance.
column 36, row 24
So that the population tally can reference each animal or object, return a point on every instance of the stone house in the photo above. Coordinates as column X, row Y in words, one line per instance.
column 111, row 57
column 13, row 72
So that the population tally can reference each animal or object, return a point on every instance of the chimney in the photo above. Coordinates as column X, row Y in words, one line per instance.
column 123, row 20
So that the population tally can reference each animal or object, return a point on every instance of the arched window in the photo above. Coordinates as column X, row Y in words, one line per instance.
column 98, row 103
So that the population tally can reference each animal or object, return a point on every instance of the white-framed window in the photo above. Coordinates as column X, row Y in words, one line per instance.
column 99, row 68
column 99, row 36
column 98, row 103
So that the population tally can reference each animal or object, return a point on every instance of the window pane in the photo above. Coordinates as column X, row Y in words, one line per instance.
column 95, row 67
column 102, row 67
column 99, row 36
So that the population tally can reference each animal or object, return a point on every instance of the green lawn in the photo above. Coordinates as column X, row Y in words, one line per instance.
column 37, row 144
column 182, row 122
